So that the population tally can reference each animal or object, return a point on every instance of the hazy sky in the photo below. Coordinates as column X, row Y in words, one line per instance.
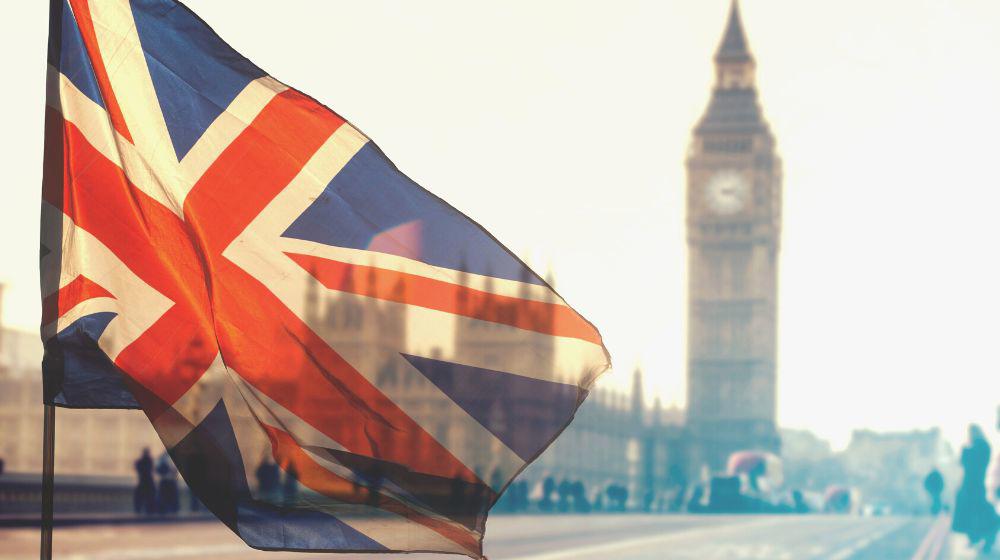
column 562, row 127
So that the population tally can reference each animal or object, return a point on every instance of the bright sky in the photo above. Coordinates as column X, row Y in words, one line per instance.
column 562, row 127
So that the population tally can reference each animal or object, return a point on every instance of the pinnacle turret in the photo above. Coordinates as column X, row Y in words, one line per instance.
column 638, row 396
column 734, row 46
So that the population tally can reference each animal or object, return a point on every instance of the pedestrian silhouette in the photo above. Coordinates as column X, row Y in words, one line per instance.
column 169, row 497
column 548, row 488
column 144, row 498
column 580, row 502
column 617, row 497
column 375, row 477
column 678, row 482
column 268, row 480
column 934, row 485
column 799, row 504
column 564, row 490
column 974, row 515
column 290, row 489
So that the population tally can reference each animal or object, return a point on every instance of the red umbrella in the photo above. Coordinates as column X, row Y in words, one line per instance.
column 837, row 499
column 763, row 468
column 745, row 462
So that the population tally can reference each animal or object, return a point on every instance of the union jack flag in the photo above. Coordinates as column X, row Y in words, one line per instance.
column 196, row 215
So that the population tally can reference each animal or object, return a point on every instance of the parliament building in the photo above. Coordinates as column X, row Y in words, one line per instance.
column 612, row 441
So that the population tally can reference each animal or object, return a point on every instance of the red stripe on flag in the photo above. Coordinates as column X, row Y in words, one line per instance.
column 411, row 289
column 258, row 336
column 273, row 350
column 263, row 340
column 257, row 166
column 81, row 9
column 153, row 243
column 81, row 289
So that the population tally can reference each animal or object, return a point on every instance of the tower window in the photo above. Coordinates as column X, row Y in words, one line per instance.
column 740, row 263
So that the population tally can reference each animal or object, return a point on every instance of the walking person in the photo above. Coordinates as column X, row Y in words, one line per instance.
column 144, row 498
column 974, row 515
column 934, row 485
column 290, row 486
column 169, row 495
column 268, row 480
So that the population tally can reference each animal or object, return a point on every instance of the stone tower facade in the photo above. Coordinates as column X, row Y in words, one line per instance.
column 733, row 237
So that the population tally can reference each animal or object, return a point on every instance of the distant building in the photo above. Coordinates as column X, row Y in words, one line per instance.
column 808, row 462
column 888, row 468
column 88, row 442
column 20, row 351
column 614, row 439
column 871, row 451
column 733, row 235
column 803, row 445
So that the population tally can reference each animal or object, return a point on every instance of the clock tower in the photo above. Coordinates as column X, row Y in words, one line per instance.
column 733, row 239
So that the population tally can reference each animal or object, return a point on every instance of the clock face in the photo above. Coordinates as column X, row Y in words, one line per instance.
column 727, row 192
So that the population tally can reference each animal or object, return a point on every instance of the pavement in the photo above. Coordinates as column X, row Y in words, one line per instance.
column 74, row 519
column 552, row 537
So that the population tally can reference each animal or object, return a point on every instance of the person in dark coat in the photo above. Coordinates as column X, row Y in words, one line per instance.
column 548, row 488
column 290, row 487
column 169, row 496
column 934, row 485
column 564, row 490
column 268, row 480
column 144, row 499
column 974, row 516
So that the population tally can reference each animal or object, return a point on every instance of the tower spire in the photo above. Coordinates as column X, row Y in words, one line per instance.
column 734, row 64
column 734, row 47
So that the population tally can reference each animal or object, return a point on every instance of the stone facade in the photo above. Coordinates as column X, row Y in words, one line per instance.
column 615, row 438
column 733, row 235
column 88, row 442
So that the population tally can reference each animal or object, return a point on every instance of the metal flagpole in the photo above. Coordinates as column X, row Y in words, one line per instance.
column 48, row 482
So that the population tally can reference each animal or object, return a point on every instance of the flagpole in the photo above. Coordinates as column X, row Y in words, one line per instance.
column 48, row 479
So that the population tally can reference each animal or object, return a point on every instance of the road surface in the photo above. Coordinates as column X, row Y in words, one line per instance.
column 592, row 537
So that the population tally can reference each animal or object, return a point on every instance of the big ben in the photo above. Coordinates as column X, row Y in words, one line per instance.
column 733, row 239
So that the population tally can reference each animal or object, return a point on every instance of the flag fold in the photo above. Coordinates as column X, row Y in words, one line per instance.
column 335, row 358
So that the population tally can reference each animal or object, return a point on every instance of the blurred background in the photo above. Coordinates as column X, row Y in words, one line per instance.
column 781, row 215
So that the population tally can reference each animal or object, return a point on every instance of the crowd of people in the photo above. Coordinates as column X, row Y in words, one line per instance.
column 973, row 513
column 157, row 490
column 152, row 497
column 272, row 487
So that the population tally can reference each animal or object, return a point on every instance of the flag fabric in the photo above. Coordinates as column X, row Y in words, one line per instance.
column 335, row 358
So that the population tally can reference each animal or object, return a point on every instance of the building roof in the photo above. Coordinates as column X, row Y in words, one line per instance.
column 733, row 111
column 734, row 46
